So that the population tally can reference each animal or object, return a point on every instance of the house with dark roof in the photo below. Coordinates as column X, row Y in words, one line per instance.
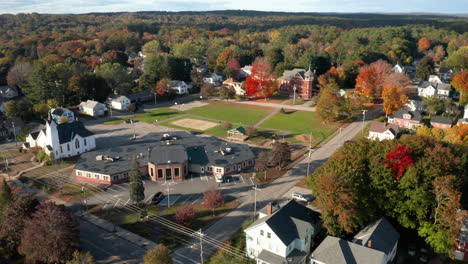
column 171, row 157
column 461, row 249
column 59, row 113
column 142, row 96
column 8, row 92
column 381, row 131
column 298, row 82
column 283, row 233
column 375, row 244
column 406, row 119
column 441, row 122
column 62, row 140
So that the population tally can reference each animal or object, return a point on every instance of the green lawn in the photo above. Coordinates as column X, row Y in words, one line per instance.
column 301, row 122
column 235, row 113
column 152, row 116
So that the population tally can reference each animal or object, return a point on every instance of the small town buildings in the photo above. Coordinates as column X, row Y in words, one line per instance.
column 445, row 73
column 213, row 78
column 464, row 120
column 434, row 79
column 414, row 105
column 172, row 157
column 406, row 119
column 58, row 114
column 298, row 82
column 382, row 131
column 93, row 108
column 461, row 248
column 428, row 89
column 375, row 244
column 238, row 86
column 139, row 97
column 246, row 71
column 8, row 92
column 441, row 122
column 180, row 87
column 119, row 102
column 408, row 70
column 62, row 140
column 237, row 134
column 282, row 234
column 398, row 68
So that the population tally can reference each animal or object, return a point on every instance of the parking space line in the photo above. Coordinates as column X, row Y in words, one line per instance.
column 251, row 181
column 104, row 207
column 149, row 198
column 190, row 196
column 196, row 200
column 116, row 202
column 126, row 202
column 242, row 177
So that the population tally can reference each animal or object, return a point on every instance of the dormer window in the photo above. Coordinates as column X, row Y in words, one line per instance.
column 407, row 116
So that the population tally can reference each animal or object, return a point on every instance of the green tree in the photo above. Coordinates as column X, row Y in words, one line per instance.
column 160, row 254
column 330, row 103
column 458, row 59
column 425, row 68
column 227, row 92
column 137, row 189
column 189, row 49
column 433, row 104
column 116, row 77
column 82, row 258
column 151, row 48
column 41, row 110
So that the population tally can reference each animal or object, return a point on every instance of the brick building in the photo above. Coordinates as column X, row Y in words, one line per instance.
column 304, row 81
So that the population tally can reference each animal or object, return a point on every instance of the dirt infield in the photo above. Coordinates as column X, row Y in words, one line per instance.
column 194, row 124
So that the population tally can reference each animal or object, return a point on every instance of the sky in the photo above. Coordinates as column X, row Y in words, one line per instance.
column 87, row 6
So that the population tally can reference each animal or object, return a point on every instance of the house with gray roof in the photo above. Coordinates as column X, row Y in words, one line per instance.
column 168, row 157
column 119, row 102
column 282, row 234
column 93, row 108
column 382, row 131
column 8, row 92
column 406, row 119
column 441, row 122
column 375, row 244
column 58, row 114
column 441, row 90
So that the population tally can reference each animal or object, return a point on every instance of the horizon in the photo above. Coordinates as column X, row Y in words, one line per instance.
column 293, row 6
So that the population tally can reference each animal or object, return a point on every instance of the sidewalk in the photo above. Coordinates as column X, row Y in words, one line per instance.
column 302, row 107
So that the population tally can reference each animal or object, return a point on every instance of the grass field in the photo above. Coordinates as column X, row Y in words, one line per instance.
column 152, row 116
column 235, row 113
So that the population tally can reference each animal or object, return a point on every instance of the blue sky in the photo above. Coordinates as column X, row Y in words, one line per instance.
column 85, row 6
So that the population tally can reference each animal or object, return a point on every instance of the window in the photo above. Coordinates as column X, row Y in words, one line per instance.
column 176, row 172
column 160, row 173
column 152, row 171
column 115, row 177
column 84, row 141
column 68, row 147
column 125, row 175
column 218, row 170
column 261, row 232
column 78, row 173
column 61, row 149
column 268, row 235
column 88, row 175
column 77, row 143
column 96, row 176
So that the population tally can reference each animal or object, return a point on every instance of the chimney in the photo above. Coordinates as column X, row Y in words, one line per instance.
column 369, row 243
column 269, row 209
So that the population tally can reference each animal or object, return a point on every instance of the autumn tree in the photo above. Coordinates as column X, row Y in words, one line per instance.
column 330, row 103
column 137, row 189
column 261, row 83
column 460, row 83
column 394, row 92
column 6, row 197
column 160, row 254
column 213, row 199
column 184, row 216
column 19, row 73
column 425, row 68
column 227, row 92
column 50, row 236
column 197, row 78
column 163, row 87
column 233, row 68
column 399, row 160
column 223, row 59
column 439, row 53
column 369, row 82
column 424, row 44
column 280, row 153
column 261, row 163
column 82, row 258
column 206, row 90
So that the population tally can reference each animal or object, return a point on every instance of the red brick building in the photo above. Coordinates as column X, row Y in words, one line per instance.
column 304, row 81
column 406, row 119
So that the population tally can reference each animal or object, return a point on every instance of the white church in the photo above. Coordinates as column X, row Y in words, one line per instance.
column 63, row 140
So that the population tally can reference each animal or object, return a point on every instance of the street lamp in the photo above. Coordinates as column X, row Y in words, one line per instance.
column 155, row 100
column 294, row 100
column 14, row 132
column 363, row 118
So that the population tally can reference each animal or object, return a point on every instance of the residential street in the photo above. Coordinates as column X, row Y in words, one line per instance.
column 190, row 253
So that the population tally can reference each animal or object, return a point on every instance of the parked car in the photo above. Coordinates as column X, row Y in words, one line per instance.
column 157, row 198
column 301, row 197
column 219, row 178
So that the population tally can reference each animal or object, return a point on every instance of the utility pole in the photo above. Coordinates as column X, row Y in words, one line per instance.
column 134, row 132
column 255, row 199
column 363, row 118
column 294, row 100
column 201, row 245
column 155, row 100
column 14, row 132
column 310, row 153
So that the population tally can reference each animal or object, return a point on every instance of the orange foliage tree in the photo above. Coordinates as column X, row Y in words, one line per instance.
column 369, row 82
column 394, row 92
column 460, row 82
column 424, row 44
column 261, row 82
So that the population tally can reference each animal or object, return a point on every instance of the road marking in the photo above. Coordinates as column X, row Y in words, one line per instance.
column 242, row 177
column 186, row 258
column 251, row 181
column 196, row 200
column 126, row 202
column 106, row 204
column 116, row 202
column 186, row 199
column 104, row 251
column 149, row 198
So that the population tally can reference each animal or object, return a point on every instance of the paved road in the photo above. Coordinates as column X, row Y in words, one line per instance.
column 268, row 193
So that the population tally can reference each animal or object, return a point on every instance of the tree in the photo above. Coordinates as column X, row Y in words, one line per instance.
column 399, row 160
column 6, row 197
column 189, row 49
column 116, row 77
column 251, row 130
column 330, row 104
column 19, row 74
column 233, row 68
column 394, row 92
column 160, row 254
column 41, row 110
column 197, row 78
column 132, row 108
column 433, row 104
column 206, row 90
column 213, row 199
column 137, row 189
column 13, row 221
column 425, row 68
column 424, row 44
column 458, row 59
column 227, row 125
column 439, row 53
column 163, row 86
column 18, row 109
column 261, row 164
column 11, row 109
column 460, row 83
column 50, row 236
column 369, row 82
column 82, row 258
column 151, row 48
column 227, row 92
column 280, row 153
column 223, row 59
column 261, row 83
column 185, row 216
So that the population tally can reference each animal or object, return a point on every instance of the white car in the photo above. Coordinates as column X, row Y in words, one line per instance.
column 301, row 197
column 219, row 178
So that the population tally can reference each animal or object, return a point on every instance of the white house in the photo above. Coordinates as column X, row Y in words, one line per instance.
column 414, row 105
column 375, row 244
column 238, row 86
column 282, row 233
column 93, row 108
column 397, row 68
column 381, row 131
column 428, row 89
column 59, row 112
column 464, row 120
column 63, row 140
column 246, row 71
column 434, row 79
column 119, row 102
column 180, row 87
column 213, row 79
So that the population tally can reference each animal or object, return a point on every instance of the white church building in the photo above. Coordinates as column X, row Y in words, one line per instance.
column 63, row 140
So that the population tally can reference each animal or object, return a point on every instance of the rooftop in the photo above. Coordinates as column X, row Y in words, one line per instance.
column 441, row 120
column 381, row 235
column 380, row 127
column 415, row 115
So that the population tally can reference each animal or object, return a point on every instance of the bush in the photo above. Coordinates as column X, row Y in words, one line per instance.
column 282, row 110
column 185, row 216
column 251, row 131
column 227, row 125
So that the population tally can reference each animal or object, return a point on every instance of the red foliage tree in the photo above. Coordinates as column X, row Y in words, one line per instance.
column 370, row 81
column 162, row 87
column 399, row 160
column 185, row 216
column 424, row 44
column 213, row 199
column 460, row 82
column 261, row 83
column 233, row 68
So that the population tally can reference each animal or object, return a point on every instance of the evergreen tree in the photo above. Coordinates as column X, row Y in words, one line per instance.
column 425, row 68
column 137, row 190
